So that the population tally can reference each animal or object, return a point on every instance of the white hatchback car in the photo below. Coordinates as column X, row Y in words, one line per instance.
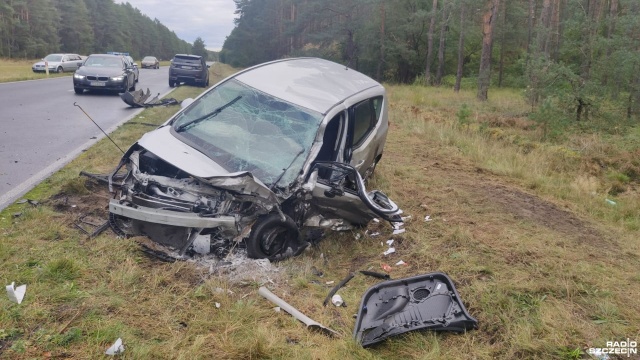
column 268, row 157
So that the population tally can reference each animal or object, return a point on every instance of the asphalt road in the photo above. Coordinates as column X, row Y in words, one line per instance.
column 41, row 130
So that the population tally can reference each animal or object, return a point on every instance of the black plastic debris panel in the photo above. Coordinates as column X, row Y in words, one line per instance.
column 424, row 302
column 138, row 98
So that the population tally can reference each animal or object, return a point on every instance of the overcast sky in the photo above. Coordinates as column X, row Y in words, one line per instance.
column 212, row 20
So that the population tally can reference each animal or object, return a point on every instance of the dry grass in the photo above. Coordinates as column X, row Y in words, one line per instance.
column 538, row 257
column 18, row 70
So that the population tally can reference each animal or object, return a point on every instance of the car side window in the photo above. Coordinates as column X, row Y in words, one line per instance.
column 65, row 58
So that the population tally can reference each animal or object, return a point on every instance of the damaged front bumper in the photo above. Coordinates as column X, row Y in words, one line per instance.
column 173, row 218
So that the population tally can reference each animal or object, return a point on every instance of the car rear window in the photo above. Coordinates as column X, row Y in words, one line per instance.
column 187, row 59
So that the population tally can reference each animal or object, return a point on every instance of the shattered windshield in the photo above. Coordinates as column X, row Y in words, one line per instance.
column 243, row 129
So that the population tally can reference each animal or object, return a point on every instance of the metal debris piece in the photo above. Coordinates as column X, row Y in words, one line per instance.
column 389, row 251
column 386, row 267
column 390, row 242
column 96, row 230
column 401, row 263
column 337, row 287
column 427, row 218
column 115, row 349
column 16, row 294
column 311, row 324
column 138, row 98
column 375, row 274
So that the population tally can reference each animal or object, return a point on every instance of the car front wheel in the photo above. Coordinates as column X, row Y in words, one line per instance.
column 60, row 69
column 78, row 90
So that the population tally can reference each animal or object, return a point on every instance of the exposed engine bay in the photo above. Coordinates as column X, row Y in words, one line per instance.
column 179, row 211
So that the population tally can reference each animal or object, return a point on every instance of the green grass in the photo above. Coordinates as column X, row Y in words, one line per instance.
column 18, row 70
column 521, row 226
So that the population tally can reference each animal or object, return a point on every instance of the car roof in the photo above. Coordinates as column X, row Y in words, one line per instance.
column 313, row 83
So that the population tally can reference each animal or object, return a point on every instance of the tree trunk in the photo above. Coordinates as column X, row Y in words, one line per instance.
column 456, row 88
column 531, row 23
column 381, row 59
column 554, row 50
column 441, row 48
column 432, row 25
column 502, row 43
column 544, row 29
column 488, row 25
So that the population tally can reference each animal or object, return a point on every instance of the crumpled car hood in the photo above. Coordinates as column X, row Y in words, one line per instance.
column 170, row 149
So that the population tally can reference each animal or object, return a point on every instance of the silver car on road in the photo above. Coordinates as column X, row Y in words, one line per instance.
column 269, row 158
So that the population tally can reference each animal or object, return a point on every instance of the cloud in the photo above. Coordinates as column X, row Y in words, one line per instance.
column 212, row 20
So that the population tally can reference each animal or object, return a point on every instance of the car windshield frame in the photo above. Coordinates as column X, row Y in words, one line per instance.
column 244, row 129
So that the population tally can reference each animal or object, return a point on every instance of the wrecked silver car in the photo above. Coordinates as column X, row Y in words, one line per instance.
column 266, row 159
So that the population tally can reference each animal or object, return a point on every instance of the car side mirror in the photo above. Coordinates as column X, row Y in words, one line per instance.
column 208, row 66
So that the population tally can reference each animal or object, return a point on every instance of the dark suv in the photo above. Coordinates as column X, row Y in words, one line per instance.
column 190, row 69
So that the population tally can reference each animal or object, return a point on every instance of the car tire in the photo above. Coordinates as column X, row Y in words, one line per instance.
column 78, row 90
column 272, row 236
column 133, row 87
column 172, row 84
column 60, row 70
column 157, row 66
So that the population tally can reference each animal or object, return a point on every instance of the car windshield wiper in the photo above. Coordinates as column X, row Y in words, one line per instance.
column 284, row 171
column 209, row 115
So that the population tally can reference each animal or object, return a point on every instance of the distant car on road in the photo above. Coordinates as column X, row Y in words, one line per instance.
column 190, row 69
column 58, row 63
column 105, row 72
column 150, row 62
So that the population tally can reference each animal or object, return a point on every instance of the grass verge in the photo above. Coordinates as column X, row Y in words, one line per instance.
column 18, row 70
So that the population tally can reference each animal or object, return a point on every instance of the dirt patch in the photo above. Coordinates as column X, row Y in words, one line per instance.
column 539, row 211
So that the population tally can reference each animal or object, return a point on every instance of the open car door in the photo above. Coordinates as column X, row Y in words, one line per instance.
column 338, row 189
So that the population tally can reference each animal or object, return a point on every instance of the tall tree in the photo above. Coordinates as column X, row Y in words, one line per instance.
column 199, row 48
column 460, row 66
column 488, row 24
column 432, row 25
column 441, row 48
column 74, row 30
